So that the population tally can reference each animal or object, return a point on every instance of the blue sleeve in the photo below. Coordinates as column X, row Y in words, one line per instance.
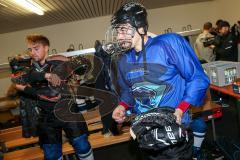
column 185, row 60
column 125, row 90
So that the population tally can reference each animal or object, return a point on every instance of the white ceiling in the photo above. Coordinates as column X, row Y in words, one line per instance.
column 14, row 18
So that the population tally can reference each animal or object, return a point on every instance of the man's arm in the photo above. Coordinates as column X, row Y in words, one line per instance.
column 126, row 98
column 26, row 89
column 188, row 65
column 182, row 56
column 197, row 45
column 35, row 76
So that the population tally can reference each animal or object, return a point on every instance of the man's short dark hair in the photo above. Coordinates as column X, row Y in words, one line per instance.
column 218, row 22
column 35, row 38
column 224, row 24
column 207, row 26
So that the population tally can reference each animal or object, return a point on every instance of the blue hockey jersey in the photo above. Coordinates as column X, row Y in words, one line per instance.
column 174, row 74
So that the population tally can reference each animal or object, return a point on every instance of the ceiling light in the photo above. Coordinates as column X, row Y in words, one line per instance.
column 30, row 5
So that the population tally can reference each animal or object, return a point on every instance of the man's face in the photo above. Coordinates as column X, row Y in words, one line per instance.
column 125, row 36
column 37, row 51
column 224, row 30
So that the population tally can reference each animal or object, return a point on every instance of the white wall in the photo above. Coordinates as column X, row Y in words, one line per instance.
column 87, row 31
column 60, row 36
column 228, row 10
column 178, row 16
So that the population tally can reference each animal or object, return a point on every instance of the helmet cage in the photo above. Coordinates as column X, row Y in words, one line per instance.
column 118, row 38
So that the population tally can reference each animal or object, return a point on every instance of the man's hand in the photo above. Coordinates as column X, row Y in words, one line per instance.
column 178, row 113
column 212, row 46
column 20, row 87
column 53, row 79
column 119, row 114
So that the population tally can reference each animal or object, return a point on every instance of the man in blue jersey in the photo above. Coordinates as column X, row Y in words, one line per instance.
column 155, row 72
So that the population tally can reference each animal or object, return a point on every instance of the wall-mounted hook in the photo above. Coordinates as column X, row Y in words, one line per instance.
column 80, row 46
column 54, row 51
column 184, row 28
column 189, row 27
column 169, row 30
column 71, row 48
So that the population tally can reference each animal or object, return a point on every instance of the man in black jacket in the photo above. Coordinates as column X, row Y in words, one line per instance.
column 46, row 87
column 225, row 45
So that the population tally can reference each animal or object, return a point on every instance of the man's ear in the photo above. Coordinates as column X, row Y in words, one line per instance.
column 46, row 48
column 141, row 30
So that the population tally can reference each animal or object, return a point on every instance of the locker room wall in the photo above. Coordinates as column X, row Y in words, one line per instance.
column 87, row 31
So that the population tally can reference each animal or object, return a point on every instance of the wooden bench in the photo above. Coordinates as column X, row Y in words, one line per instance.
column 10, row 129
column 32, row 140
column 12, row 138
column 7, row 103
column 10, row 134
column 213, row 110
column 97, row 140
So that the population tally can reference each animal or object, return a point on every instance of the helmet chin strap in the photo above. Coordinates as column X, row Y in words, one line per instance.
column 144, row 51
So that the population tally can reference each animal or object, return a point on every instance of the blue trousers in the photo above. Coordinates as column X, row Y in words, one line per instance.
column 54, row 151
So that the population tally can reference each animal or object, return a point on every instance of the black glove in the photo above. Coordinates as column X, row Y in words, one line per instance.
column 157, row 129
column 20, row 78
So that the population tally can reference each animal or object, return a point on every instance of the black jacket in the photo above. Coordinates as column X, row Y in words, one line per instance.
column 40, row 86
column 226, row 47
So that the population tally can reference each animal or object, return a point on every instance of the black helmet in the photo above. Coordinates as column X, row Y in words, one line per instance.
column 133, row 13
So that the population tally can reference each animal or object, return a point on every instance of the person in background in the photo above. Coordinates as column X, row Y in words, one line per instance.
column 214, row 30
column 225, row 45
column 203, row 42
column 236, row 30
